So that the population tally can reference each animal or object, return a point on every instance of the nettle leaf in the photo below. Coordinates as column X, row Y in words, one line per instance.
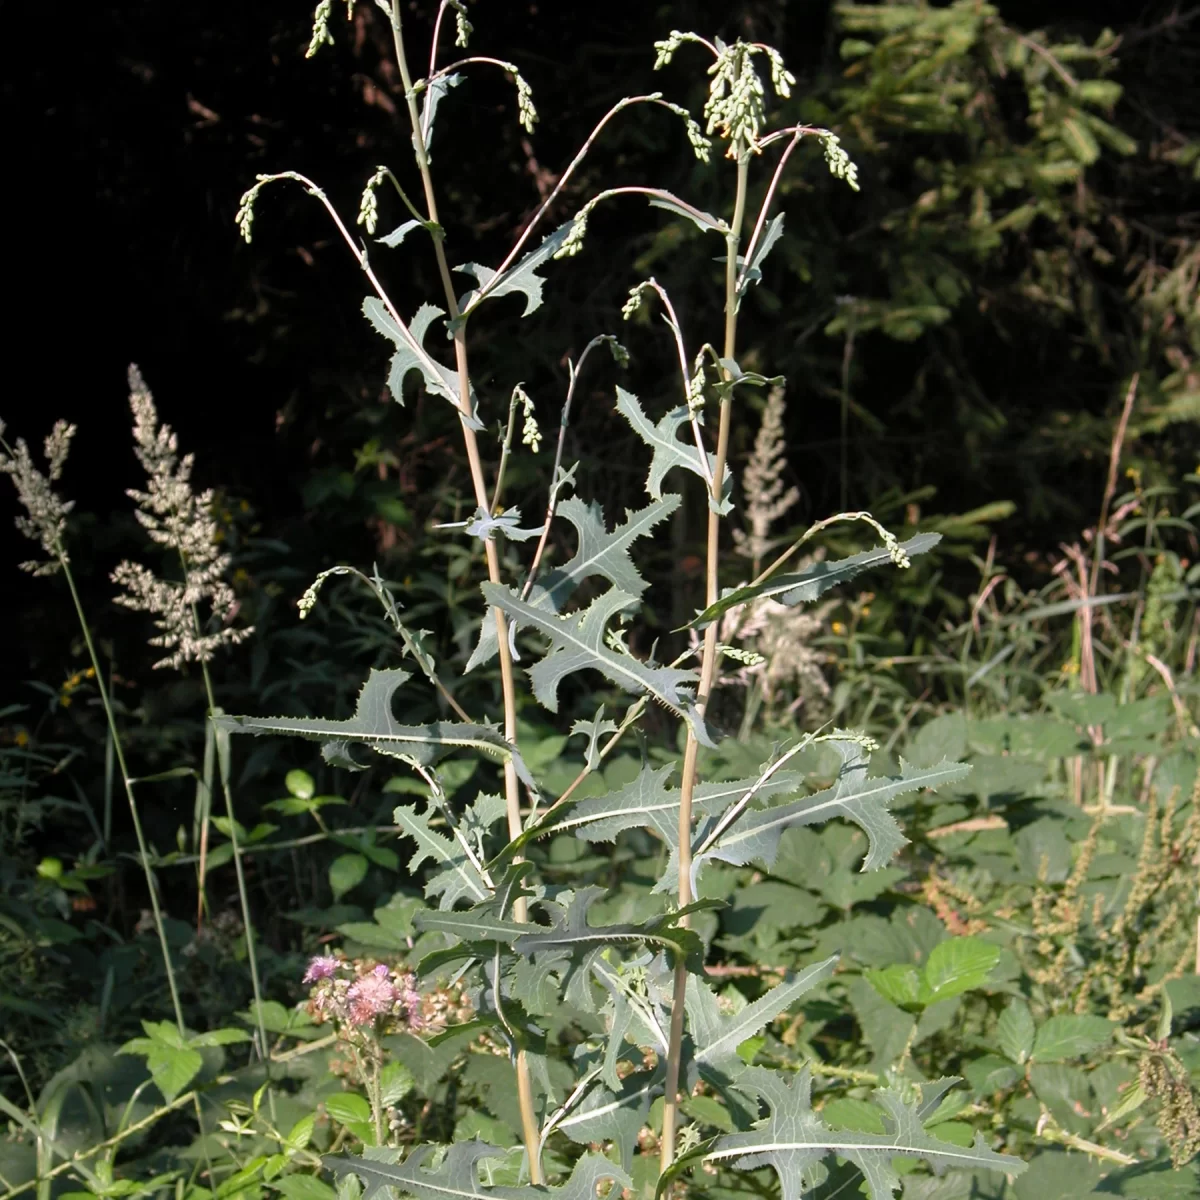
column 456, row 1176
column 374, row 725
column 599, row 553
column 459, row 879
column 411, row 355
column 520, row 278
column 577, row 644
column 793, row 1139
column 717, row 1036
column 854, row 796
column 669, row 450
column 804, row 587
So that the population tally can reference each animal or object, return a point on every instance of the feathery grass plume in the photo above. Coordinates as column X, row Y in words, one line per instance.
column 767, row 499
column 176, row 517
column 47, row 511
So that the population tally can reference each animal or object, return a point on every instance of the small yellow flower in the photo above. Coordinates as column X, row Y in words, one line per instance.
column 866, row 612
column 22, row 737
column 65, row 700
column 838, row 628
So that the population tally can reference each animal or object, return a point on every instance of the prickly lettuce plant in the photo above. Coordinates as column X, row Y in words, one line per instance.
column 612, row 1028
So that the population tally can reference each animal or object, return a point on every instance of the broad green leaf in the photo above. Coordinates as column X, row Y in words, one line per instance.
column 374, row 725
column 577, row 644
column 716, row 1036
column 669, row 450
column 303, row 1187
column 456, row 1176
column 793, row 1139
column 521, row 278
column 1066, row 1037
column 346, row 872
column 171, row 1063
column 804, row 587
column 1015, row 1032
column 300, row 784
column 854, row 796
column 957, row 965
column 218, row 1037
column 460, row 878
column 411, row 355
column 898, row 984
column 599, row 553
column 348, row 1108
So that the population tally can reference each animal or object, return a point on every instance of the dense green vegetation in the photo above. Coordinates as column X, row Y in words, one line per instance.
column 468, row 911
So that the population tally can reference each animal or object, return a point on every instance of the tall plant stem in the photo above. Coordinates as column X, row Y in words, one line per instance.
column 512, row 795
column 708, row 664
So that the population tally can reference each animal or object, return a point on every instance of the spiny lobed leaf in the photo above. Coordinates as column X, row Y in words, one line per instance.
column 411, row 355
column 521, row 278
column 716, row 1036
column 599, row 553
column 853, row 795
column 459, row 879
column 647, row 803
column 456, row 1176
column 804, row 587
column 374, row 725
column 793, row 1139
column 577, row 644
column 669, row 451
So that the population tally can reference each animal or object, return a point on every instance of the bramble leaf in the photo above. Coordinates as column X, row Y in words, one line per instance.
column 599, row 552
column 669, row 451
column 814, row 581
column 374, row 725
column 577, row 644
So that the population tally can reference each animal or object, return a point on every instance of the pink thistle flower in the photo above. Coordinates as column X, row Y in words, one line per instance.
column 321, row 967
column 371, row 996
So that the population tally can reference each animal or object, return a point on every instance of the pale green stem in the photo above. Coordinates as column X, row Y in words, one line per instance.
column 707, row 669
column 512, row 796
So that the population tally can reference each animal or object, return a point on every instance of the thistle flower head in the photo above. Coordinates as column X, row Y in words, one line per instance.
column 178, row 518
column 46, row 512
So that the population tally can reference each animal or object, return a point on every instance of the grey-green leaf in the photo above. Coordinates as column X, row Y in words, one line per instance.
column 669, row 451
column 599, row 552
column 854, row 796
column 456, row 1176
column 459, row 879
column 374, row 725
column 793, row 1139
column 411, row 355
column 521, row 278
column 577, row 644
column 752, row 271
column 814, row 581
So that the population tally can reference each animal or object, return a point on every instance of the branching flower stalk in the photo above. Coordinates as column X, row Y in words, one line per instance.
column 180, row 519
